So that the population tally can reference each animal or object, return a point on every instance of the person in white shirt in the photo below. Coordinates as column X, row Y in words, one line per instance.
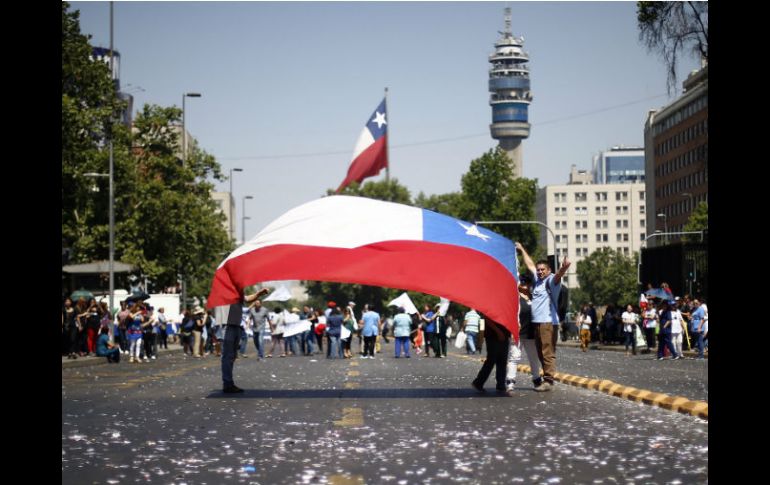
column 584, row 325
column 676, row 330
column 650, row 324
column 629, row 319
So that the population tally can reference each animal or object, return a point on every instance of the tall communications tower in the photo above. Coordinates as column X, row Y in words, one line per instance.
column 511, row 95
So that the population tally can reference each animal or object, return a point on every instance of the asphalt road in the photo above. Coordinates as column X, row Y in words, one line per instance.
column 386, row 420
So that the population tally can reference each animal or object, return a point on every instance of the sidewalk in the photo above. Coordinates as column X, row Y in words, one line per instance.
column 93, row 360
column 621, row 348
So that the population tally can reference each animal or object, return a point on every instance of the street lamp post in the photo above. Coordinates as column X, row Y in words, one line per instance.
column 665, row 224
column 243, row 228
column 231, row 201
column 112, row 230
column 184, row 130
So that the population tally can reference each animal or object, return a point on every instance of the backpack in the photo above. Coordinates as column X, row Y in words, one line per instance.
column 563, row 303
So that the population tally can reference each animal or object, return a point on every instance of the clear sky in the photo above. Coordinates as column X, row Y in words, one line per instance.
column 288, row 86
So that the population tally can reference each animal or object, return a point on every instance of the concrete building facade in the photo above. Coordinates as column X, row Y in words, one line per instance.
column 676, row 157
column 226, row 205
column 585, row 217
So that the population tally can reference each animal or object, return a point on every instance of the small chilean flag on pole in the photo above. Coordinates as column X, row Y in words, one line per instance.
column 371, row 152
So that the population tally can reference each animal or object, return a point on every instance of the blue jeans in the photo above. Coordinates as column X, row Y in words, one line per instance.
column 334, row 350
column 243, row 341
column 699, row 343
column 402, row 342
column 259, row 343
column 308, row 337
column 471, row 340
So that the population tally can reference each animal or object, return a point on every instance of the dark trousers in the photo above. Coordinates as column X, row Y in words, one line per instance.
column 369, row 345
column 229, row 351
column 497, row 356
column 163, row 339
column 649, row 334
column 630, row 339
column 664, row 340
column 428, row 336
column 439, row 343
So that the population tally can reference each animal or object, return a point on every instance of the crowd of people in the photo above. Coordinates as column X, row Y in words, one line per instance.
column 139, row 330
column 666, row 325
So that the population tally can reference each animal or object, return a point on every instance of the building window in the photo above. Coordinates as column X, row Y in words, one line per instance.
column 601, row 238
column 641, row 223
column 600, row 196
column 560, row 196
column 581, row 224
column 641, row 209
column 622, row 237
column 621, row 210
column 581, row 197
column 601, row 224
column 641, row 195
column 621, row 196
column 623, row 223
column 601, row 211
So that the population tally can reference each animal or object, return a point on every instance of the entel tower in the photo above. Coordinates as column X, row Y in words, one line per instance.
column 510, row 98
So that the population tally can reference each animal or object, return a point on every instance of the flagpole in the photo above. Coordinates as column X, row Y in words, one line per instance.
column 387, row 140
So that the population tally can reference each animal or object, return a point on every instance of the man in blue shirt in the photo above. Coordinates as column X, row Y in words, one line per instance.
column 372, row 324
column 545, row 317
column 696, row 325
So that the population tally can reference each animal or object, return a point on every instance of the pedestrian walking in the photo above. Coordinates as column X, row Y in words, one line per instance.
column 630, row 319
column 584, row 323
column 526, row 342
column 402, row 324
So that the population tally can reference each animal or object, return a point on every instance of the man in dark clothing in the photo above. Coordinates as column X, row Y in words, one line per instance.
column 497, row 338
column 230, row 346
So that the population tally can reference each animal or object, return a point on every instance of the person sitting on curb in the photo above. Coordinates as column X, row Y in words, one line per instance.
column 106, row 349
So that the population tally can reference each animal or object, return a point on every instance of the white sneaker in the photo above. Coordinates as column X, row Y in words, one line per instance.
column 153, row 357
column 146, row 359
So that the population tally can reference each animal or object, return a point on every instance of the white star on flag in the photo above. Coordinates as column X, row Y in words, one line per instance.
column 473, row 230
column 379, row 118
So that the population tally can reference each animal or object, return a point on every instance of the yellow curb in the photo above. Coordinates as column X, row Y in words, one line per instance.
column 353, row 373
column 654, row 398
column 605, row 384
column 352, row 385
column 627, row 391
column 638, row 395
column 673, row 403
column 695, row 408
column 613, row 388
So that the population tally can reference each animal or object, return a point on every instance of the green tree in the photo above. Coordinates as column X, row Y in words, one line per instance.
column 490, row 192
column 699, row 220
column 447, row 204
column 669, row 28
column 89, row 106
column 387, row 190
column 165, row 220
column 608, row 276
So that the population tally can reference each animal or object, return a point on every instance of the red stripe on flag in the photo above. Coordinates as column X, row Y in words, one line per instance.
column 368, row 163
column 460, row 274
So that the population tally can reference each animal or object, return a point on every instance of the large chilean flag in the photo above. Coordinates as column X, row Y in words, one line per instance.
column 371, row 152
column 358, row 240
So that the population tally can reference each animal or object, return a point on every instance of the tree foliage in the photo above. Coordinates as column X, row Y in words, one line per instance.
column 165, row 220
column 670, row 28
column 490, row 192
column 698, row 221
column 608, row 276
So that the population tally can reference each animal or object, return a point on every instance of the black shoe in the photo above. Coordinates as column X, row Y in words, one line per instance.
column 232, row 389
column 478, row 387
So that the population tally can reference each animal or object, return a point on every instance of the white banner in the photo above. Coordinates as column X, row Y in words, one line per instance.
column 404, row 301
column 281, row 294
column 295, row 327
column 345, row 333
